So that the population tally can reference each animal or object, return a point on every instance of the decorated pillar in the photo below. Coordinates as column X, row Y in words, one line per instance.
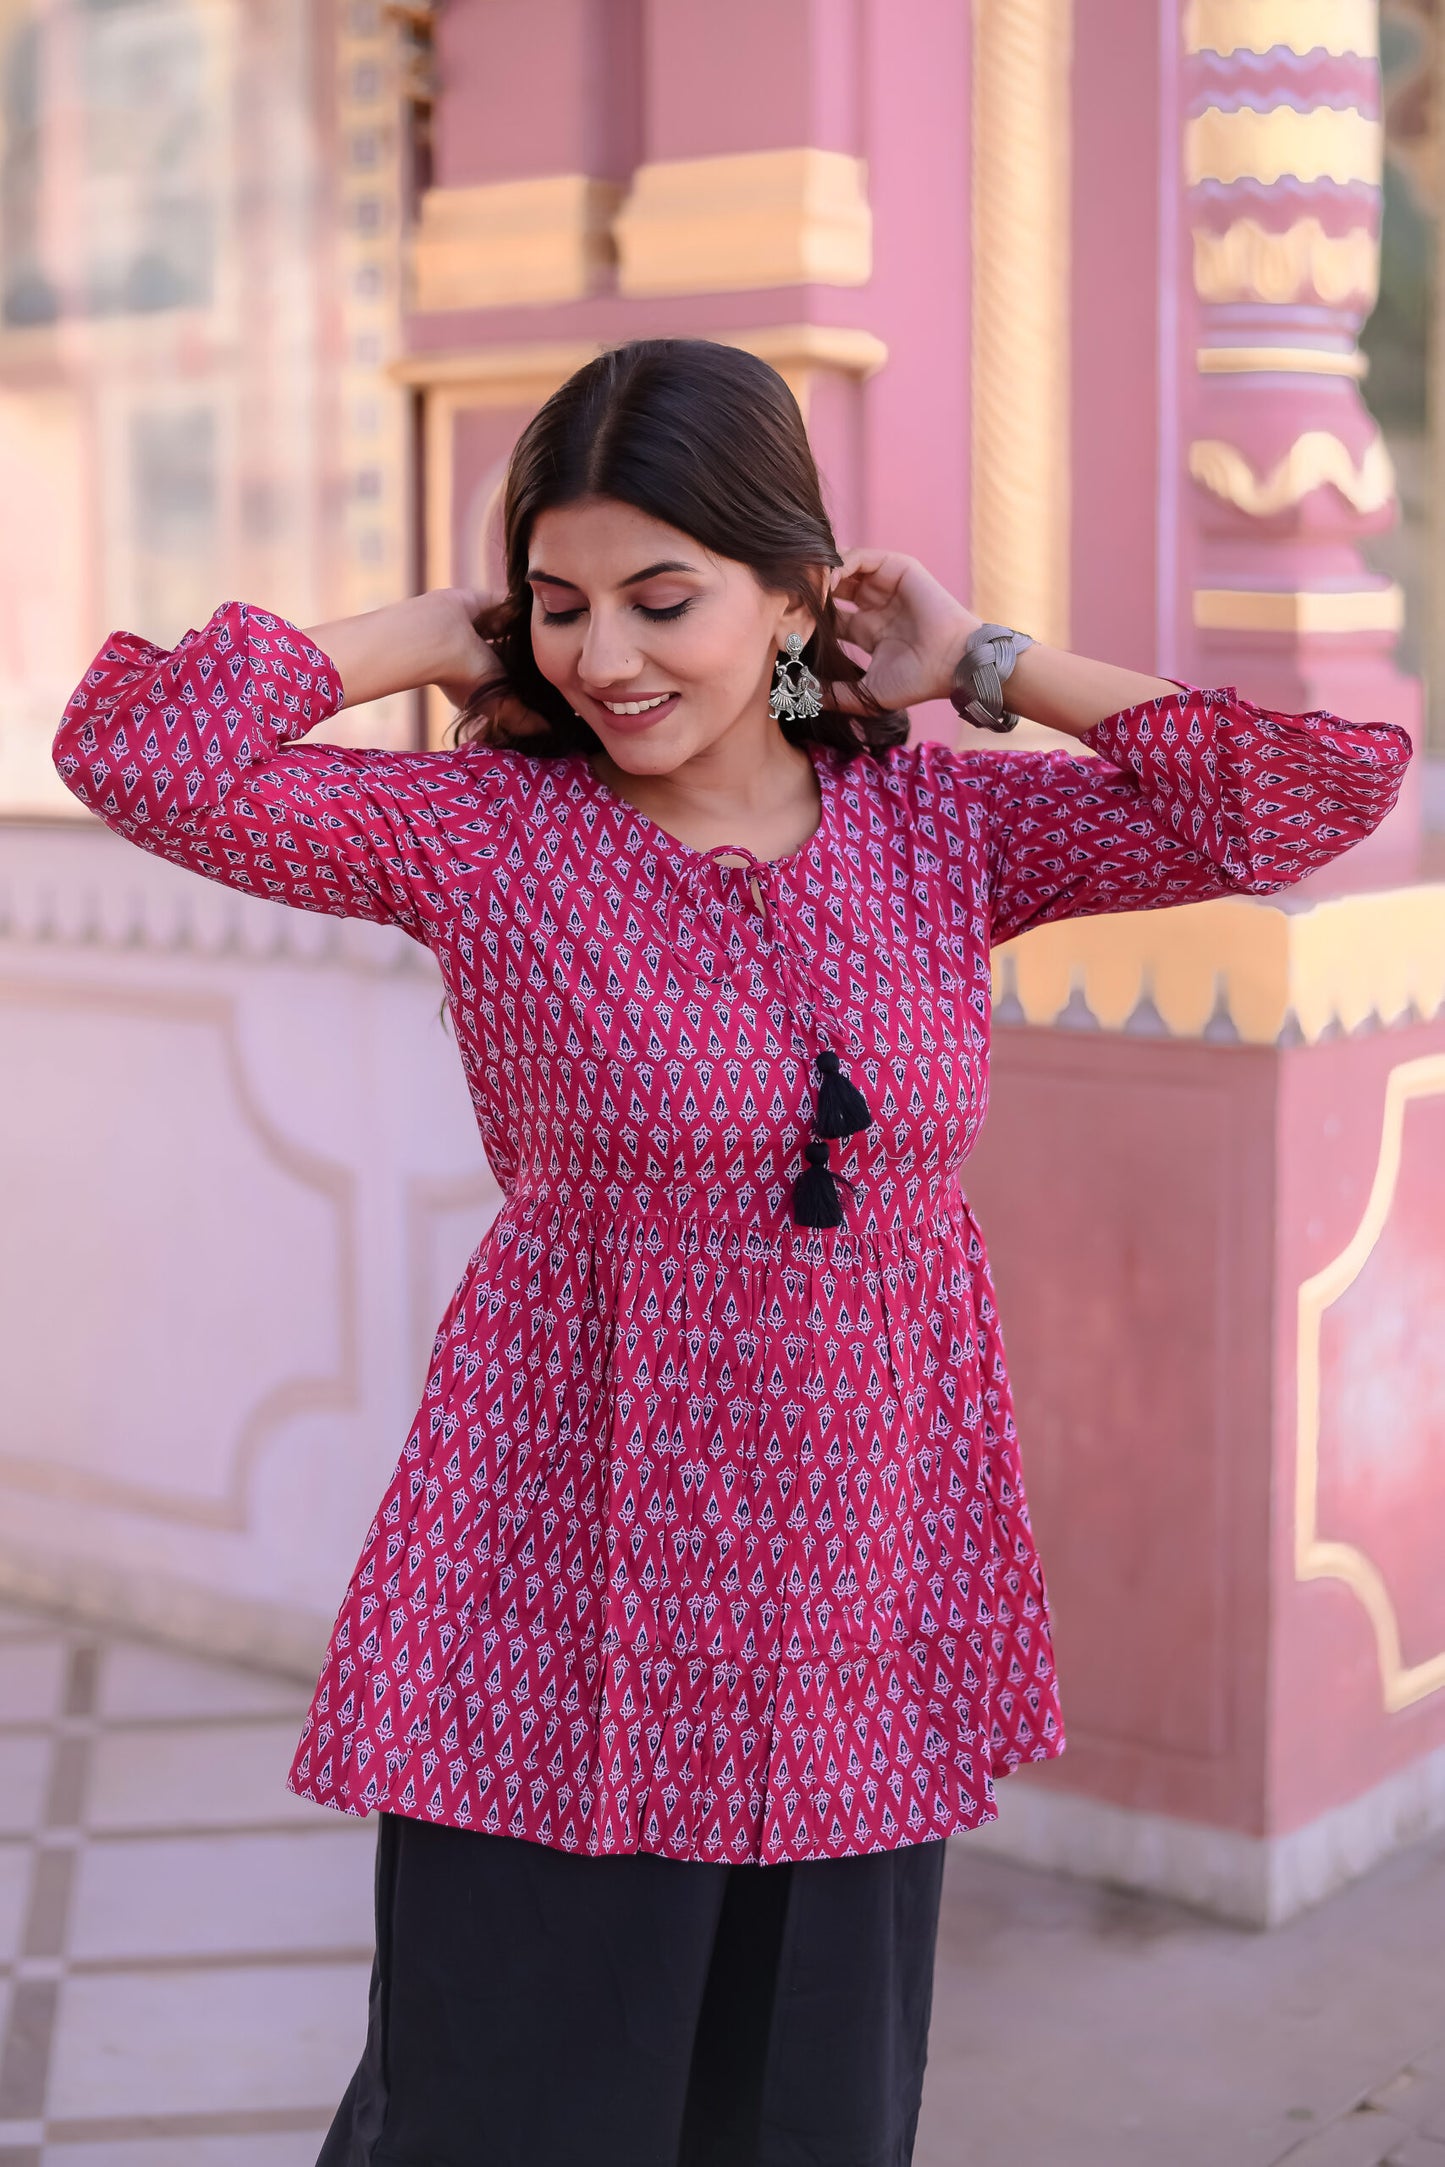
column 1282, row 151
column 1213, row 1176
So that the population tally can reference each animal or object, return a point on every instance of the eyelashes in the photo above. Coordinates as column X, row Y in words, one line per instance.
column 653, row 616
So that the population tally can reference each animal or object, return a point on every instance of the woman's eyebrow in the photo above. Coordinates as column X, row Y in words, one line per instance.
column 537, row 577
column 668, row 564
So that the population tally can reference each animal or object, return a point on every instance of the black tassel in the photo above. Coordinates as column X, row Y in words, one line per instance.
column 842, row 1108
column 816, row 1201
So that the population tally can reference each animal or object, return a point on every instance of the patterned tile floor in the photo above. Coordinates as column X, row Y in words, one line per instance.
column 185, row 1946
column 184, row 1956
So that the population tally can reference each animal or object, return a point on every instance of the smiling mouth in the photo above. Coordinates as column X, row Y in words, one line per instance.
column 637, row 707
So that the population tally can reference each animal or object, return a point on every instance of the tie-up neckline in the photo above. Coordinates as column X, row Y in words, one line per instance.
column 687, row 858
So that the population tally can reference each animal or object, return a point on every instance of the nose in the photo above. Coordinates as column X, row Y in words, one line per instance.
column 609, row 657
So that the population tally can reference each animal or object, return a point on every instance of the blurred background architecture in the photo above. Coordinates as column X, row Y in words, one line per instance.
column 1080, row 304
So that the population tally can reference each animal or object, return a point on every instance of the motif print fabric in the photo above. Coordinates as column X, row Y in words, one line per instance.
column 710, row 1538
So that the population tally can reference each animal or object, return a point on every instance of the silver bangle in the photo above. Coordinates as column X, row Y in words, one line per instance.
column 983, row 668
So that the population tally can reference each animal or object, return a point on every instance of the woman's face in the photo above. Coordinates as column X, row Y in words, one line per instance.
column 662, row 648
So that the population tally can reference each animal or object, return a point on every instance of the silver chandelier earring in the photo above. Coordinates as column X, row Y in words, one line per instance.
column 797, row 695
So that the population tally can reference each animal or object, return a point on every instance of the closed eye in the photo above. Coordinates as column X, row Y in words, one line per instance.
column 654, row 616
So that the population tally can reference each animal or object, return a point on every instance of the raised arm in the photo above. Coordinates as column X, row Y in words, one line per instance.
column 1196, row 793
column 194, row 753
column 431, row 639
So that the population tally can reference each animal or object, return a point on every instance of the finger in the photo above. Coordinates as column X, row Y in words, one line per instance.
column 885, row 566
column 862, row 625
column 850, row 584
column 870, row 590
column 854, row 649
column 863, row 588
column 860, row 560
column 845, row 700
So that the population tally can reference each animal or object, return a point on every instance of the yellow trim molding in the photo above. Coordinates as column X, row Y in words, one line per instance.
column 1282, row 360
column 1247, row 262
column 1020, row 512
column 753, row 219
column 1334, row 143
column 1299, row 26
column 513, row 242
column 1245, row 964
column 1271, row 609
column 1401, row 1684
column 1312, row 461
column 507, row 375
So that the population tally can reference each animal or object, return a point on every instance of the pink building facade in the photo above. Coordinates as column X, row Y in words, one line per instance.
column 1071, row 299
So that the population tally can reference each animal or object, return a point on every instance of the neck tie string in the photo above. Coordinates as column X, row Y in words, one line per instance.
column 840, row 1108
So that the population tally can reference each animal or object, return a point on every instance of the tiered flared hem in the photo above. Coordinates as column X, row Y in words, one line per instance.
column 691, row 1758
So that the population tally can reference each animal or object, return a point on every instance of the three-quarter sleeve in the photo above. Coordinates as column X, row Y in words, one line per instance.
column 192, row 753
column 1196, row 794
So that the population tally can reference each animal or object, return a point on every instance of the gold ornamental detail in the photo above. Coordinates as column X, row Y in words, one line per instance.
column 1327, row 143
column 1237, row 967
column 750, row 219
column 518, row 243
column 1300, row 609
column 1282, row 361
column 1312, row 461
column 1300, row 26
column 1401, row 1683
column 1246, row 262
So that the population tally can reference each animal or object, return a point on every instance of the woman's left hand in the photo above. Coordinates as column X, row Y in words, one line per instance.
column 910, row 628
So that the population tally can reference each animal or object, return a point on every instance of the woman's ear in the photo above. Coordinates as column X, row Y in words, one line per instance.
column 800, row 616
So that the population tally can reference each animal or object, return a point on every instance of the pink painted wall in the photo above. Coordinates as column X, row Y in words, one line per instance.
column 883, row 79
column 1125, row 1188
column 754, row 75
column 1152, row 1209
column 526, row 91
column 916, row 141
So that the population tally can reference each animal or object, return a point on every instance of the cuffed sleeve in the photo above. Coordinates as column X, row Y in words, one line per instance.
column 193, row 753
column 1197, row 794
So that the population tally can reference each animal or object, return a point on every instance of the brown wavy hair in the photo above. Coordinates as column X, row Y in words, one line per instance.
column 708, row 439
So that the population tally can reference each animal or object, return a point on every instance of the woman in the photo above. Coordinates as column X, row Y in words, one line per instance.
column 703, row 1605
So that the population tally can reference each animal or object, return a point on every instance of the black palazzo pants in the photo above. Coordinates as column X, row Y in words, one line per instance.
column 532, row 2007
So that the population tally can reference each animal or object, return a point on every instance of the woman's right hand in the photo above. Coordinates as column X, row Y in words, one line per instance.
column 429, row 639
column 465, row 660
column 908, row 627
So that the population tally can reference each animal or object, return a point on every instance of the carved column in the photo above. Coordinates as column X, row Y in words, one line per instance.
column 1021, row 314
column 1282, row 148
column 1218, row 1320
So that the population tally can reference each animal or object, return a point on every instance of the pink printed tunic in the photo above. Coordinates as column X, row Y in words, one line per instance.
column 710, row 1538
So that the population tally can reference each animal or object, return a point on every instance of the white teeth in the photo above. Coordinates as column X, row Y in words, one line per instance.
column 636, row 707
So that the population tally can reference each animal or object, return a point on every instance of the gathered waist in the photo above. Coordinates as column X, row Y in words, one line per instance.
column 538, row 1222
